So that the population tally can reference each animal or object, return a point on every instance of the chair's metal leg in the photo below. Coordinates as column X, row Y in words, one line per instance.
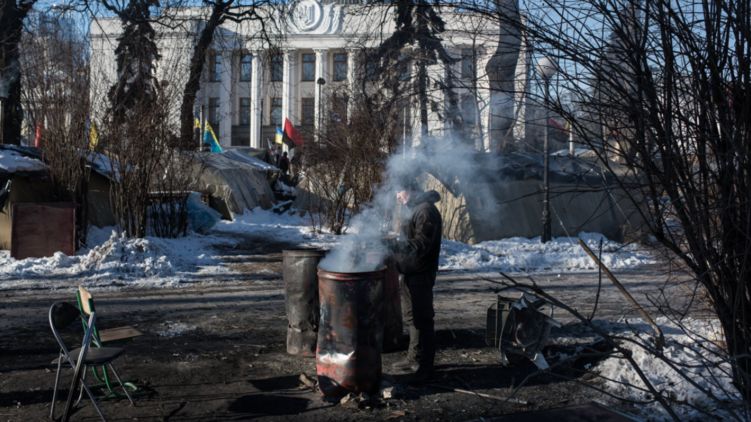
column 93, row 401
column 57, row 382
column 74, row 385
column 117, row 377
column 83, row 381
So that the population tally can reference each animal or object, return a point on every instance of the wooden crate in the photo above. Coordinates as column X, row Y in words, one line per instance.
column 41, row 229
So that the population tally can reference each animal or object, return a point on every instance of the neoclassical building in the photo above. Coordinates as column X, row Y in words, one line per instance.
column 247, row 91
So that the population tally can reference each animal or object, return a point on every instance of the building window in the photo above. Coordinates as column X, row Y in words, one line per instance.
column 215, row 67
column 214, row 114
column 244, row 111
column 308, row 67
column 468, row 63
column 340, row 66
column 277, row 68
column 469, row 110
column 246, row 68
column 308, row 111
column 276, row 111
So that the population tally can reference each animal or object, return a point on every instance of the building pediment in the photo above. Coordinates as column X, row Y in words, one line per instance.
column 313, row 17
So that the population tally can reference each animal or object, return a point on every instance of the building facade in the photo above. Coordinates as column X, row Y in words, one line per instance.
column 248, row 88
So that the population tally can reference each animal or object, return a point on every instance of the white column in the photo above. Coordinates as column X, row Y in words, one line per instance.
column 225, row 100
column 483, row 142
column 351, row 67
column 256, row 79
column 435, row 125
column 288, row 86
column 322, row 58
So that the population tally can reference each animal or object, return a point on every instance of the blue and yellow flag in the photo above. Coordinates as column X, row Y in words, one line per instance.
column 93, row 137
column 279, row 137
column 209, row 138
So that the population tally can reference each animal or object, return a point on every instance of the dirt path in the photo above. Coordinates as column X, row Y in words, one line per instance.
column 217, row 352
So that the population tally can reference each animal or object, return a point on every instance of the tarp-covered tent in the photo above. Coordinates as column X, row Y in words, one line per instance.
column 507, row 200
column 250, row 158
column 234, row 184
column 29, row 182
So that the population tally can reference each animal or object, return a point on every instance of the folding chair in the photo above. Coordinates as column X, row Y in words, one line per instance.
column 61, row 316
column 99, row 337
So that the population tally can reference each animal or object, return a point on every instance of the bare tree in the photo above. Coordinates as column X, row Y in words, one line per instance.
column 344, row 167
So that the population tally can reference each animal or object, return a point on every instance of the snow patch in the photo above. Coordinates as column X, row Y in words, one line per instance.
column 693, row 350
column 174, row 329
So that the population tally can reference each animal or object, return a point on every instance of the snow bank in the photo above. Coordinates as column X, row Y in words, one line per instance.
column 530, row 255
column 693, row 350
column 114, row 260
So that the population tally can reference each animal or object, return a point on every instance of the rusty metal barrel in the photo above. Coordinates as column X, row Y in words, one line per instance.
column 350, row 336
column 299, row 270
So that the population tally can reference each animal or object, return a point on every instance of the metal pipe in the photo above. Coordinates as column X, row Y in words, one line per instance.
column 546, row 230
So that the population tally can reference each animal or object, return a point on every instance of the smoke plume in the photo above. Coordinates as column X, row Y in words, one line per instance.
column 456, row 164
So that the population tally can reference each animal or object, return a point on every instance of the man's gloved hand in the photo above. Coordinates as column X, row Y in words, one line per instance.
column 392, row 245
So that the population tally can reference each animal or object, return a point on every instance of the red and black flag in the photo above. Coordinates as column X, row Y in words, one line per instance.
column 292, row 137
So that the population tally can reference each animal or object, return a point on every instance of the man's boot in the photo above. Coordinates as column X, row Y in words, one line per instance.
column 423, row 374
column 406, row 365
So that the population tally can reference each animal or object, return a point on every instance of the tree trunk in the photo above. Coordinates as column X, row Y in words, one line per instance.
column 422, row 95
column 197, row 61
column 12, row 15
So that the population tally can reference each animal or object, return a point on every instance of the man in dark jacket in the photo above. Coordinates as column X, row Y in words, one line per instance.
column 416, row 256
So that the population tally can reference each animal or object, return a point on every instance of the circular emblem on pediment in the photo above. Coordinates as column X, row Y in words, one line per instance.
column 307, row 14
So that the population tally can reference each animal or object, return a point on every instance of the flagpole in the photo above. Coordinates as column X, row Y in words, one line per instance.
column 202, row 127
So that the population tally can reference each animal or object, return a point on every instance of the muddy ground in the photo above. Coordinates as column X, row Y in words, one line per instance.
column 216, row 351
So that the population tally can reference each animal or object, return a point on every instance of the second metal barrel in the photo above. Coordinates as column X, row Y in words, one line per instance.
column 392, row 309
column 348, row 357
column 301, row 299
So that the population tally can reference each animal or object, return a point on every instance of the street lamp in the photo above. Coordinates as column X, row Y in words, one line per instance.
column 321, row 82
column 546, row 68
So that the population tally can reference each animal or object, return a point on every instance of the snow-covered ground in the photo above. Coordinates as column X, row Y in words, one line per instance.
column 694, row 374
column 114, row 261
column 530, row 255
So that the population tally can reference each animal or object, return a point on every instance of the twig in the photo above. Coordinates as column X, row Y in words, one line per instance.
column 483, row 395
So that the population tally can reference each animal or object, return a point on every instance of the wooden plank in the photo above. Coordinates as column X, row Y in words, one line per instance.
column 41, row 229
column 119, row 333
column 85, row 300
